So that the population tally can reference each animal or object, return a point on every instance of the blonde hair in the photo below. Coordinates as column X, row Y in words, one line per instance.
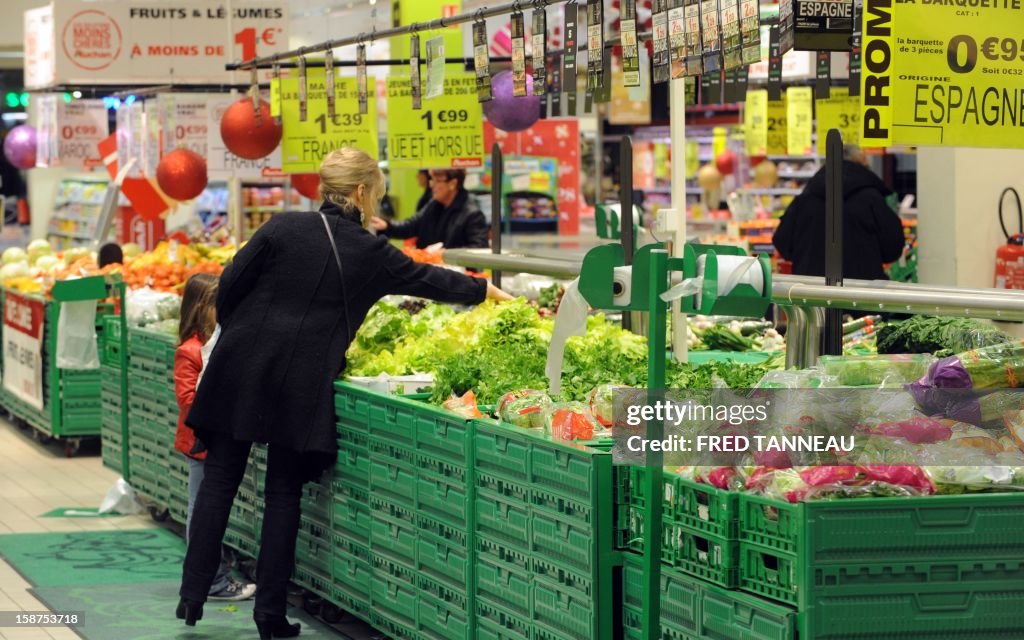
column 341, row 174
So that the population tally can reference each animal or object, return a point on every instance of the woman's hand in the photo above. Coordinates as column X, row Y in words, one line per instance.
column 494, row 293
column 379, row 224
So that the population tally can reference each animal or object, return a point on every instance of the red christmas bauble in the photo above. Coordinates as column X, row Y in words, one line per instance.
column 248, row 134
column 181, row 174
column 308, row 184
column 726, row 162
column 756, row 160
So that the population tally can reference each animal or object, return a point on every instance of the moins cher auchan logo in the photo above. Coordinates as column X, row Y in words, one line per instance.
column 92, row 40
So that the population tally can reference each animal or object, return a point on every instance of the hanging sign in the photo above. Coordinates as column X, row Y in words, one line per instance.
column 711, row 88
column 711, row 34
column 446, row 134
column 304, row 144
column 556, row 89
column 275, row 94
column 329, row 77
column 595, row 45
column 949, row 76
column 732, row 50
column 117, row 42
column 823, row 74
column 750, row 31
column 755, row 123
column 221, row 161
column 68, row 132
column 482, row 61
column 774, row 64
column 131, row 133
column 730, row 94
column 855, row 48
column 661, row 41
column 184, row 121
column 571, row 42
column 822, row 25
column 435, row 67
column 415, row 87
column 302, row 95
column 630, row 47
column 540, row 51
column 840, row 111
column 799, row 121
column 23, row 348
column 694, row 42
column 518, row 55
column 787, row 26
column 677, row 37
column 778, row 139
column 361, row 84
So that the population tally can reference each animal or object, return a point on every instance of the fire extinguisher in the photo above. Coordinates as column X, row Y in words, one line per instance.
column 1010, row 256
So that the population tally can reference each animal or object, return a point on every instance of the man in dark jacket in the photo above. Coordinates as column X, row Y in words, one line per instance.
column 872, row 231
column 451, row 217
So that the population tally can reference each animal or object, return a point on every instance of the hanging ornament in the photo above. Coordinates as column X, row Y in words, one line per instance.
column 726, row 162
column 20, row 146
column 181, row 174
column 709, row 178
column 247, row 134
column 307, row 184
column 507, row 112
column 766, row 174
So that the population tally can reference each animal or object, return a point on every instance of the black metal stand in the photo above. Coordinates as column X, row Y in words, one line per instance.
column 497, row 177
column 832, row 342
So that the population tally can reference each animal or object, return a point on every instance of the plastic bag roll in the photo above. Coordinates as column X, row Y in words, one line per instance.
column 570, row 320
column 733, row 271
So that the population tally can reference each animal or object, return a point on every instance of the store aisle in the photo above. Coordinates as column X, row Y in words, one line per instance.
column 36, row 479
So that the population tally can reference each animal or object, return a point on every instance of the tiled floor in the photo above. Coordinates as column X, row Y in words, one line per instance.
column 35, row 479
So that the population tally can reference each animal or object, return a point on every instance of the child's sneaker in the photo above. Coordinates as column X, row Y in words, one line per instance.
column 235, row 591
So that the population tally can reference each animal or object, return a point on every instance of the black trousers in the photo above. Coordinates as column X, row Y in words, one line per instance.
column 226, row 461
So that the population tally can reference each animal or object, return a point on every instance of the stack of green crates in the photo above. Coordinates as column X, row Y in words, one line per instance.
column 152, row 416
column 700, row 525
column 890, row 568
column 544, row 536
column 110, row 426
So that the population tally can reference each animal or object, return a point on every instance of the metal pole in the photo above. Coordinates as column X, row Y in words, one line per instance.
column 626, row 215
column 833, row 334
column 677, row 122
column 440, row 23
column 497, row 177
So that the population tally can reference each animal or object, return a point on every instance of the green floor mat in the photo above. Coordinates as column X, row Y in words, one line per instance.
column 146, row 612
column 95, row 557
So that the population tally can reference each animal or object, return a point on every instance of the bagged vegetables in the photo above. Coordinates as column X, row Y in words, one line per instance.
column 526, row 408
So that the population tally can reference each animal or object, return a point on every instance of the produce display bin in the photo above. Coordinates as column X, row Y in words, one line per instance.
column 889, row 568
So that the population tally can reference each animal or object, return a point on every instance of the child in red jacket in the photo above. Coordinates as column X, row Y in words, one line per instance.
column 198, row 319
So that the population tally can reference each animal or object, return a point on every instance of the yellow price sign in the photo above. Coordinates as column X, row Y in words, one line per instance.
column 446, row 132
column 799, row 121
column 305, row 144
column 755, row 122
column 950, row 75
column 777, row 139
column 692, row 158
column 839, row 111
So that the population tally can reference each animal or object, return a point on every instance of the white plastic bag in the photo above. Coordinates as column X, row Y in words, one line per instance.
column 121, row 499
column 76, row 336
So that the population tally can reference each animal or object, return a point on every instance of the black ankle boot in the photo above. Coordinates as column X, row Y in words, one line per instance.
column 189, row 611
column 271, row 627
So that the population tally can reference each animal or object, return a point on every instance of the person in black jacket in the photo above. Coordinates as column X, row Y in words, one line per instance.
column 872, row 231
column 288, row 306
column 451, row 217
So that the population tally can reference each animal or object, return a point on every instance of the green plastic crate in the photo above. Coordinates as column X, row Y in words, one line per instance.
column 501, row 586
column 442, row 561
column 564, row 613
column 352, row 406
column 566, row 577
column 495, row 623
column 440, row 499
column 679, row 595
column 311, row 579
column 440, row 621
column 394, row 418
column 394, row 480
column 924, row 567
column 314, row 553
column 351, row 577
column 501, row 452
column 502, row 520
column 394, row 594
column 502, row 555
column 353, row 454
column 456, row 598
column 351, row 516
column 392, row 628
column 395, row 539
column 442, row 434
column 562, row 540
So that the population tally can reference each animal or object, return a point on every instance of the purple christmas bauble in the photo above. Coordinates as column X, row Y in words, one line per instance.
column 509, row 113
column 20, row 146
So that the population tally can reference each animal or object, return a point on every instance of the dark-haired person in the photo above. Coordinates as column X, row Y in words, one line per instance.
column 452, row 217
column 110, row 253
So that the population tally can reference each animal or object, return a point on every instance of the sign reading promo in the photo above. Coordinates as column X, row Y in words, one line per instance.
column 952, row 74
column 446, row 132
column 126, row 41
column 305, row 143
column 69, row 132
column 23, row 348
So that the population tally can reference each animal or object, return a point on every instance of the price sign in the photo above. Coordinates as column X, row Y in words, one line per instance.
column 23, row 348
column 677, row 38
column 184, row 121
column 694, row 42
column 750, row 26
column 660, row 46
column 777, row 139
column 950, row 76
column 799, row 121
column 68, row 132
column 448, row 133
column 755, row 122
column 841, row 111
column 304, row 144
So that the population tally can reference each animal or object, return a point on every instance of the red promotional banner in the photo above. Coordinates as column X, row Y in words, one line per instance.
column 144, row 195
column 554, row 138
column 23, row 348
column 138, row 230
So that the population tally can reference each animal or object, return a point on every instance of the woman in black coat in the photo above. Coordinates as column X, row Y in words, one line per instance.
column 288, row 312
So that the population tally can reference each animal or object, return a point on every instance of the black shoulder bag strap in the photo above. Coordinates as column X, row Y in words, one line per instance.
column 341, row 273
